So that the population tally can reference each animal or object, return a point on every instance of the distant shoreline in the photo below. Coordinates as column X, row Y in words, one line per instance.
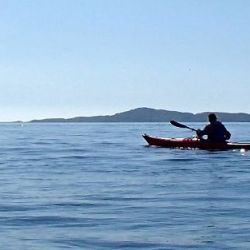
column 149, row 115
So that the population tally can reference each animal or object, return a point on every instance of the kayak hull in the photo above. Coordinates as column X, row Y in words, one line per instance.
column 193, row 143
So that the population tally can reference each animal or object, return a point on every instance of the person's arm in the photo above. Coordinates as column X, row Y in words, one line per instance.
column 227, row 135
column 201, row 132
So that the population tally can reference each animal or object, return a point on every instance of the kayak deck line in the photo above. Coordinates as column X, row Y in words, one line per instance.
column 193, row 143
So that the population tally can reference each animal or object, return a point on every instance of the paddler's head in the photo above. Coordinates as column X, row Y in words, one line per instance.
column 212, row 117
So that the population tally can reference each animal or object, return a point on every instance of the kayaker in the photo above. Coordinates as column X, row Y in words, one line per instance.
column 215, row 130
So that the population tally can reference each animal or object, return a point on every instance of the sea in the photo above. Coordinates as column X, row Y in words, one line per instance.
column 100, row 186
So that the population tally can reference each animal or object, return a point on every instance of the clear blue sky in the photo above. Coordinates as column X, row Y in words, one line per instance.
column 62, row 58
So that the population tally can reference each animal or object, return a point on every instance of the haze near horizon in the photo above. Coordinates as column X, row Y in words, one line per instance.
column 84, row 58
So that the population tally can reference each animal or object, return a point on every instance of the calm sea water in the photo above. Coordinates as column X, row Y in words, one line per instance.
column 98, row 186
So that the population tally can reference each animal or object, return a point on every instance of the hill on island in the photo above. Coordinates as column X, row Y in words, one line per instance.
column 153, row 115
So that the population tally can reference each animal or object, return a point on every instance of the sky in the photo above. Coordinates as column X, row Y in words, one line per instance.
column 62, row 58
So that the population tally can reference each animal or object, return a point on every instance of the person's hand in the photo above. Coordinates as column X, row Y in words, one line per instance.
column 198, row 132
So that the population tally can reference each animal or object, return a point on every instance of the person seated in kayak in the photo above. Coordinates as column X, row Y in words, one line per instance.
column 215, row 130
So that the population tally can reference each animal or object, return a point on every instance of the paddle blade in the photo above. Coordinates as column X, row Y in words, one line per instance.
column 177, row 124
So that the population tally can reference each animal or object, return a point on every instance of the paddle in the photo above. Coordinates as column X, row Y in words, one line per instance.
column 179, row 125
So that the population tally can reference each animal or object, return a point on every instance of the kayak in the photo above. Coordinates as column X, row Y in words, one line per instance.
column 193, row 143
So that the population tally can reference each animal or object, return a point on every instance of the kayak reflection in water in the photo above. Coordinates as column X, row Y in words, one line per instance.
column 215, row 130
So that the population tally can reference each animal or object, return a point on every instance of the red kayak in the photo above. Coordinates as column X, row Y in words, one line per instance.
column 193, row 143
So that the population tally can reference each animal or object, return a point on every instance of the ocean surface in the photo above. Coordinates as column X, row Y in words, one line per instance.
column 99, row 186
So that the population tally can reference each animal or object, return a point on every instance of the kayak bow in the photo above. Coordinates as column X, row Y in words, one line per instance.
column 193, row 143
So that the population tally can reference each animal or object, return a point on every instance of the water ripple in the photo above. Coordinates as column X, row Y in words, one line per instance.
column 97, row 186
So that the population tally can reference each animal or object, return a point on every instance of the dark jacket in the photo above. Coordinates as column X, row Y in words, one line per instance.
column 215, row 131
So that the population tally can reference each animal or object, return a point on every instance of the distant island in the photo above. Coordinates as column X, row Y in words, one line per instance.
column 153, row 115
